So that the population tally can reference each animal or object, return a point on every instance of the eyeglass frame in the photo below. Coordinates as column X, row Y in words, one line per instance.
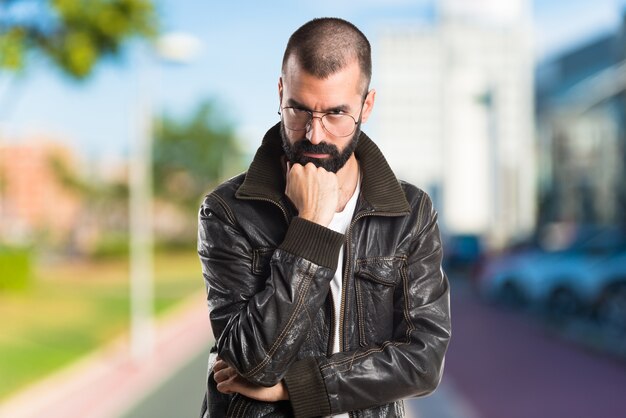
column 309, row 124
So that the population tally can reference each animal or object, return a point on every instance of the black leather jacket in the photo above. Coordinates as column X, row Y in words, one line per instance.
column 268, row 274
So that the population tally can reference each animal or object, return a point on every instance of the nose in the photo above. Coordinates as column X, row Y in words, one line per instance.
column 315, row 133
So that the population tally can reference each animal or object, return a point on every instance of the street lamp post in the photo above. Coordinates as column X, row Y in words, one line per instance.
column 141, row 233
column 172, row 47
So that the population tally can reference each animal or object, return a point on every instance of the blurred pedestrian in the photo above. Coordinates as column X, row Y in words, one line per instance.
column 323, row 271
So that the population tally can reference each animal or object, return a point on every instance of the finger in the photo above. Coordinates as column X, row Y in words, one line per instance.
column 219, row 376
column 224, row 388
column 230, row 385
column 219, row 365
column 295, row 167
column 222, row 380
column 224, row 374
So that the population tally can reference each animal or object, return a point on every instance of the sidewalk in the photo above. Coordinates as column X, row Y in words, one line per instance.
column 108, row 382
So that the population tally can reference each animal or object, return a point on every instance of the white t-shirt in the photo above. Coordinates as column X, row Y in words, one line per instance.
column 340, row 223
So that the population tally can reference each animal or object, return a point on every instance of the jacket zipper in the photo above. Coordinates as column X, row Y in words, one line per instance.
column 346, row 275
column 331, row 328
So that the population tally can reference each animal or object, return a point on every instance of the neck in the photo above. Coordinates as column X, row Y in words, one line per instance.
column 348, row 177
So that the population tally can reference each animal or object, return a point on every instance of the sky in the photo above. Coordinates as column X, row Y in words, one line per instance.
column 238, row 66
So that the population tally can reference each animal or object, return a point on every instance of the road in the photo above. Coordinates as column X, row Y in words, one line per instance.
column 500, row 364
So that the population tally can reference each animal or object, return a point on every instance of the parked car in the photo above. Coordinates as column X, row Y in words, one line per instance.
column 582, row 271
column 461, row 252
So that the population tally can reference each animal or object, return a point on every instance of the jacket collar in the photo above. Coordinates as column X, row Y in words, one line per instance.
column 265, row 178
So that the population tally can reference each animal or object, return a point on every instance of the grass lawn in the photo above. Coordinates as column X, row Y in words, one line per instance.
column 72, row 309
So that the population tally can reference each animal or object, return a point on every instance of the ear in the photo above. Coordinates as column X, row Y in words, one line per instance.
column 368, row 105
column 280, row 90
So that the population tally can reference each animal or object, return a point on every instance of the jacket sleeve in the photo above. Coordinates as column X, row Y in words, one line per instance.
column 260, row 322
column 410, row 364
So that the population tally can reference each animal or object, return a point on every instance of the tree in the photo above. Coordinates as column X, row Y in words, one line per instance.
column 101, row 226
column 74, row 34
column 192, row 155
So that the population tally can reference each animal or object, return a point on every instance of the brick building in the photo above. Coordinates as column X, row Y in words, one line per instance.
column 34, row 201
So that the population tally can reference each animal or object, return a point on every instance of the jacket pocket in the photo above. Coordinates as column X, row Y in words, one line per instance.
column 375, row 281
column 261, row 259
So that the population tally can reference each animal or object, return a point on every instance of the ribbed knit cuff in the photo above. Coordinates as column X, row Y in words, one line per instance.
column 306, row 388
column 313, row 242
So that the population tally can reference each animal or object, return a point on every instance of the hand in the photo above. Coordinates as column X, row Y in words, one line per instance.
column 229, row 381
column 314, row 192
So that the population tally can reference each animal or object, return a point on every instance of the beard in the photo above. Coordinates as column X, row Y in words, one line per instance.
column 334, row 162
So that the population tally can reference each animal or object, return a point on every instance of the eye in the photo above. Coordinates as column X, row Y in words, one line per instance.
column 334, row 117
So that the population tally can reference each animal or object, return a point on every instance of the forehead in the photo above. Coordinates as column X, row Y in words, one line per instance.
column 341, row 88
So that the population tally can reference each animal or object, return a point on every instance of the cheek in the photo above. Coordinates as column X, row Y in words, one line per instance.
column 287, row 136
column 342, row 143
column 293, row 137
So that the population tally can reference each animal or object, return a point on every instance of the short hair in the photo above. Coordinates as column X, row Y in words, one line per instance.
column 324, row 46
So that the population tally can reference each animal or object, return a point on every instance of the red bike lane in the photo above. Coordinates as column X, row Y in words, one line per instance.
column 505, row 364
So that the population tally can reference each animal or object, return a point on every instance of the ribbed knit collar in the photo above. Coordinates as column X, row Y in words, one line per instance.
column 265, row 178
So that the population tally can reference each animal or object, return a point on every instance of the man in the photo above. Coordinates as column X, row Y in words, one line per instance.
column 323, row 271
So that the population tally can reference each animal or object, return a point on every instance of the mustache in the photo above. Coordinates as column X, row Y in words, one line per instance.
column 304, row 145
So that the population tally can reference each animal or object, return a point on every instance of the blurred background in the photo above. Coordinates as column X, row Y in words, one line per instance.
column 117, row 116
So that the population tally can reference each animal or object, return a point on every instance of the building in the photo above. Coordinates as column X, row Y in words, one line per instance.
column 455, row 115
column 34, row 201
column 581, row 115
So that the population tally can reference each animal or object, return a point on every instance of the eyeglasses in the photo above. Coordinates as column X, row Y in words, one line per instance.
column 336, row 124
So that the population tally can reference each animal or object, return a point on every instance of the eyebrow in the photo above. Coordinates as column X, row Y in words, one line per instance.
column 340, row 108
